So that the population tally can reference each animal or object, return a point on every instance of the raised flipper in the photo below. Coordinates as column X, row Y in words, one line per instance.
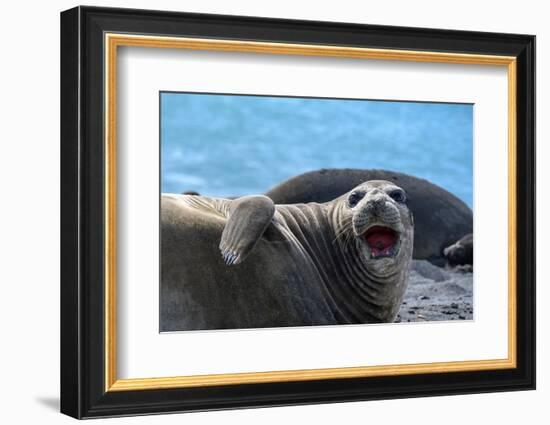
column 248, row 218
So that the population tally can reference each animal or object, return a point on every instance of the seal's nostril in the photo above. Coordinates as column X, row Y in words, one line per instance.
column 379, row 201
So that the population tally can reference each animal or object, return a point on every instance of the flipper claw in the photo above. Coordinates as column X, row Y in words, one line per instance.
column 248, row 219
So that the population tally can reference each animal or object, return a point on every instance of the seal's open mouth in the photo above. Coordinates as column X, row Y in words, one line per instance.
column 382, row 241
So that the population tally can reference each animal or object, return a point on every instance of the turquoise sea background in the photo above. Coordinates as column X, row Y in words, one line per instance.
column 232, row 145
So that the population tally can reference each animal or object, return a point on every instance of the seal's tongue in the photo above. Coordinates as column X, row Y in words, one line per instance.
column 380, row 240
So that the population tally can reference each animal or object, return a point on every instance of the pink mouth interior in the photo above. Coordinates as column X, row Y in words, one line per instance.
column 380, row 240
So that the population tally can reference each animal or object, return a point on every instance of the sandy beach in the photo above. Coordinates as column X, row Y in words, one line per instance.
column 436, row 293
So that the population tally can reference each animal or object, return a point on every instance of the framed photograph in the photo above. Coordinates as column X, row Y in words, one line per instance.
column 261, row 212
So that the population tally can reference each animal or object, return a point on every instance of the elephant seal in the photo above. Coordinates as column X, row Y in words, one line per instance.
column 461, row 253
column 248, row 263
column 440, row 217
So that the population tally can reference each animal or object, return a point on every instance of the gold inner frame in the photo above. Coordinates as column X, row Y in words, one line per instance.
column 113, row 41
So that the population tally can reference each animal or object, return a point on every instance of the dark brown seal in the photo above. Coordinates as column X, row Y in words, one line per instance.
column 461, row 253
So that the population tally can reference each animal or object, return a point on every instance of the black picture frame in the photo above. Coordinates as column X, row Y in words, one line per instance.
column 83, row 392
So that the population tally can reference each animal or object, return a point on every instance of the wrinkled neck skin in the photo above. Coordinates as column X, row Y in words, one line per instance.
column 356, row 291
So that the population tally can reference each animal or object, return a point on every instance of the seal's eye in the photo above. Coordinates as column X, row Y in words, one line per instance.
column 354, row 198
column 398, row 196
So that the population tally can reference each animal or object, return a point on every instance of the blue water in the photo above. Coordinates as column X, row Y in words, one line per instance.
column 228, row 145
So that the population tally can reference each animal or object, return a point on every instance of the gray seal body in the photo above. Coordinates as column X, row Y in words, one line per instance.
column 441, row 218
column 248, row 263
column 461, row 253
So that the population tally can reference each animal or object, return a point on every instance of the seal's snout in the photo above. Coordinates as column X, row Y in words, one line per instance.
column 376, row 209
column 377, row 224
column 377, row 204
column 380, row 223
